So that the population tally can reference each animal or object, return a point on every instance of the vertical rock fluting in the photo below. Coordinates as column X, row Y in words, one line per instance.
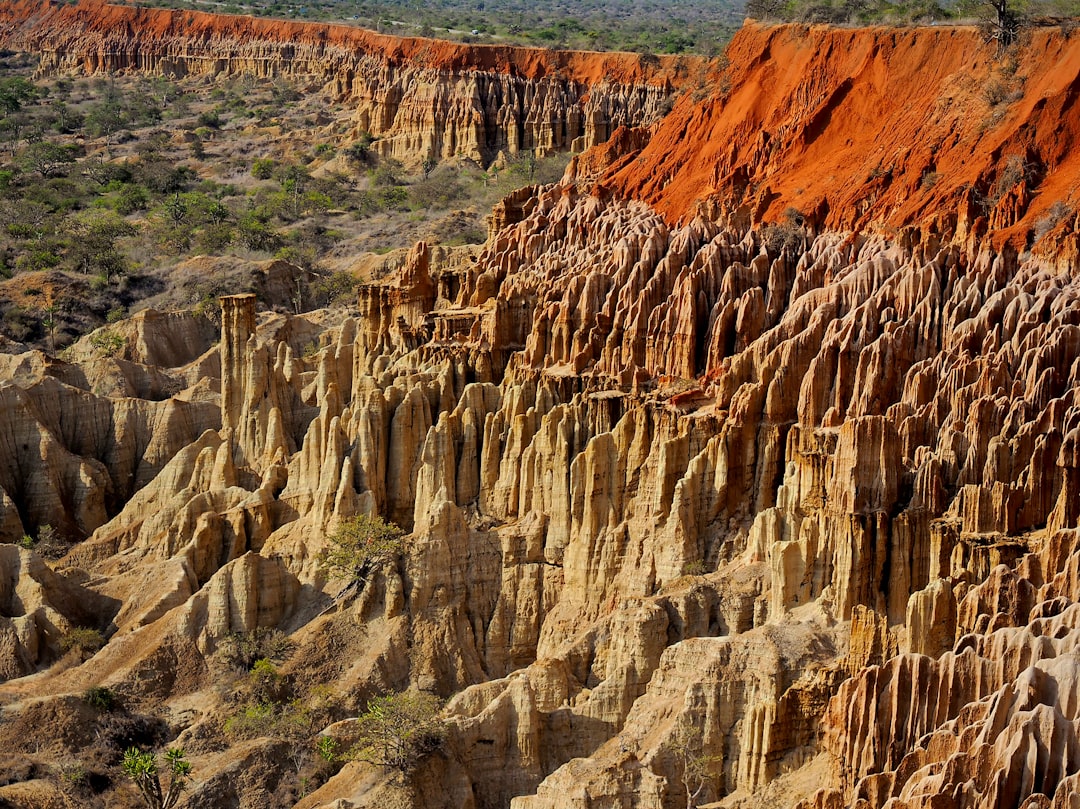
column 826, row 439
column 420, row 98
column 713, row 481
column 801, row 511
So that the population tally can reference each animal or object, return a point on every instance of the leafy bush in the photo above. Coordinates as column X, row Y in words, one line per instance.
column 107, row 342
column 327, row 747
column 252, row 721
column 211, row 119
column 100, row 697
column 131, row 198
column 360, row 545
column 49, row 542
column 262, row 168
column 333, row 288
column 82, row 638
column 397, row 730
column 437, row 192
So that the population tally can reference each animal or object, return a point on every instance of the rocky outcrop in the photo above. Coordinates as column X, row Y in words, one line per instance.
column 696, row 510
column 73, row 458
column 420, row 98
column 657, row 479
column 38, row 609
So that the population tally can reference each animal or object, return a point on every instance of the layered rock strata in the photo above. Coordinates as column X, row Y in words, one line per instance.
column 419, row 97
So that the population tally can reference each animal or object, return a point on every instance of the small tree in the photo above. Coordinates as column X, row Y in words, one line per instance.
column 48, row 158
column 262, row 168
column 14, row 92
column 360, row 545
column 142, row 768
column 397, row 730
column 1000, row 20
column 697, row 768
column 94, row 246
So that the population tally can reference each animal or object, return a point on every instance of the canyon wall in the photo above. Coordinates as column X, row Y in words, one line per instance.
column 421, row 98
column 856, row 128
column 700, row 508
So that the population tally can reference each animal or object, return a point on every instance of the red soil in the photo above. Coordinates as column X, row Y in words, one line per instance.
column 90, row 18
column 858, row 126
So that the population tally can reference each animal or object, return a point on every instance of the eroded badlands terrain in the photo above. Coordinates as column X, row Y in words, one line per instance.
column 781, row 514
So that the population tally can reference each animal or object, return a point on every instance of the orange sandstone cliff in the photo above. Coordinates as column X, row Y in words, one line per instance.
column 700, row 510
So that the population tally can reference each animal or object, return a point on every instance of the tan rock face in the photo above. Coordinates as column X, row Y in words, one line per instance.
column 658, row 481
column 73, row 457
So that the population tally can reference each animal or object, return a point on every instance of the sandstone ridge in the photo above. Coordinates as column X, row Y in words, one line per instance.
column 420, row 97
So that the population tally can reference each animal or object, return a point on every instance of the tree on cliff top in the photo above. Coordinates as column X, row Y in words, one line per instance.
column 1000, row 20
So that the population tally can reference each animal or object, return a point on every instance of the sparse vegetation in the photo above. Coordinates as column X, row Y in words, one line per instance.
column 697, row 768
column 1000, row 20
column 1059, row 212
column 788, row 234
column 107, row 342
column 242, row 651
column 397, row 730
column 101, row 698
column 662, row 27
column 84, row 639
column 102, row 195
column 361, row 545
column 142, row 768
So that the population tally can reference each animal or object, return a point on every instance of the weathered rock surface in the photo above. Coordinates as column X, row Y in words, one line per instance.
column 856, row 127
column 691, row 509
column 421, row 98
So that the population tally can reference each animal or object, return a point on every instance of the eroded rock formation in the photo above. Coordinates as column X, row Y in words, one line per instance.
column 762, row 515
column 420, row 98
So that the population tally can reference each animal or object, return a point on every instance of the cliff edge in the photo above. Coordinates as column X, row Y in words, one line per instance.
column 421, row 98
column 882, row 126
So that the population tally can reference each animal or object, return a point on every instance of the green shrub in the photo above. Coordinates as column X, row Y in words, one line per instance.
column 100, row 697
column 333, row 288
column 327, row 748
column 262, row 168
column 360, row 545
column 252, row 721
column 131, row 198
column 397, row 730
column 106, row 342
column 84, row 639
